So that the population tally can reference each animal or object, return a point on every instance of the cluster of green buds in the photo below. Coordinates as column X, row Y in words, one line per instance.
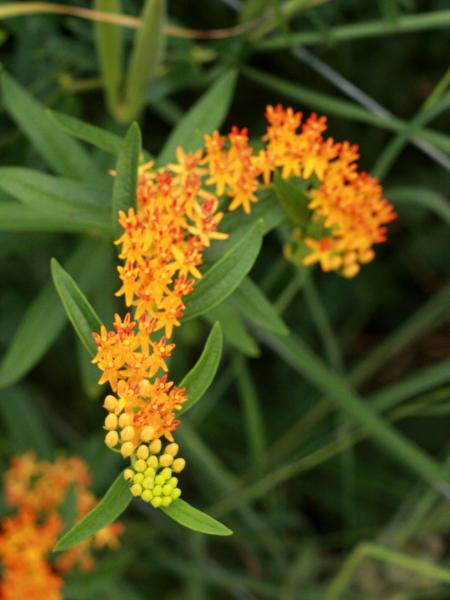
column 151, row 474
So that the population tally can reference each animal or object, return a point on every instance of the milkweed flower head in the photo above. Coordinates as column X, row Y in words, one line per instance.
column 161, row 252
column 37, row 490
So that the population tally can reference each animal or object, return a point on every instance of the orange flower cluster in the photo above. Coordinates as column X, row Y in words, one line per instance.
column 37, row 489
column 348, row 213
column 162, row 248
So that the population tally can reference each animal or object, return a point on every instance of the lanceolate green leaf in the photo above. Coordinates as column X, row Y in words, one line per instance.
column 45, row 317
column 423, row 197
column 255, row 307
column 69, row 200
column 125, row 182
column 226, row 274
column 18, row 217
column 234, row 331
column 205, row 116
column 110, row 507
column 192, row 518
column 146, row 55
column 109, row 44
column 293, row 200
column 91, row 134
column 61, row 152
column 81, row 314
column 200, row 377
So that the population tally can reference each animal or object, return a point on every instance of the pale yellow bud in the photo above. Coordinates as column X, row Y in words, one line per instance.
column 124, row 420
column 166, row 473
column 178, row 465
column 176, row 493
column 147, row 495
column 159, row 480
column 172, row 449
column 157, row 490
column 111, row 422
column 147, row 433
column 110, row 403
column 156, row 502
column 166, row 501
column 145, row 388
column 111, row 439
column 127, row 448
column 167, row 490
column 165, row 460
column 138, row 478
column 149, row 472
column 142, row 452
column 128, row 474
column 148, row 483
column 136, row 489
column 173, row 481
column 155, row 447
column 127, row 434
column 140, row 465
column 152, row 462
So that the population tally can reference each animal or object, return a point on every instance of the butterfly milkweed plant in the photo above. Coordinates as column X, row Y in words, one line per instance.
column 220, row 265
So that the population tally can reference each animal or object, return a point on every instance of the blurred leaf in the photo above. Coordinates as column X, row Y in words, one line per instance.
column 233, row 329
column 226, row 274
column 45, row 317
column 109, row 45
column 96, row 136
column 25, row 422
column 192, row 518
column 81, row 314
column 145, row 56
column 61, row 152
column 204, row 117
column 19, row 217
column 428, row 199
column 66, row 199
column 293, row 200
column 200, row 377
column 254, row 305
column 126, row 179
column 110, row 507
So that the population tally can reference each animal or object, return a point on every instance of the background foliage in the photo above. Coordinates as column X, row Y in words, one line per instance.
column 272, row 448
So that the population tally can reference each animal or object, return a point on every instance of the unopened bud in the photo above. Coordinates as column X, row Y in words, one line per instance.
column 178, row 465
column 110, row 403
column 140, row 465
column 166, row 501
column 176, row 493
column 138, row 478
column 124, row 420
column 136, row 489
column 146, row 495
column 142, row 452
column 152, row 462
column 111, row 422
column 172, row 449
column 127, row 434
column 111, row 439
column 127, row 448
column 166, row 473
column 155, row 447
column 128, row 474
column 156, row 502
column 165, row 460
column 147, row 433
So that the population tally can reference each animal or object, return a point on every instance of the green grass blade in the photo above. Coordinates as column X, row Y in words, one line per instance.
column 186, row 515
column 234, row 330
column 109, row 43
column 225, row 275
column 69, row 200
column 18, row 217
column 45, row 317
column 80, row 313
column 110, row 507
column 205, row 116
column 255, row 307
column 200, row 377
column 145, row 57
column 62, row 153
column 126, row 179
column 91, row 134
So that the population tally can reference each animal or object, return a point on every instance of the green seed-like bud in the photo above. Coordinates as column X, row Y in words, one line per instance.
column 155, row 447
column 138, row 478
column 152, row 461
column 140, row 465
column 178, row 465
column 128, row 474
column 147, row 495
column 172, row 449
column 176, row 493
column 157, row 490
column 148, row 483
column 166, row 473
column 166, row 501
column 156, row 502
column 165, row 460
column 136, row 489
column 149, row 472
column 173, row 481
column 167, row 490
column 142, row 452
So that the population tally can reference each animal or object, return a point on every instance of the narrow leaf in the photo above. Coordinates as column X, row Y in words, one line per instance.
column 200, row 377
column 293, row 200
column 81, row 314
column 91, row 134
column 192, row 518
column 125, row 182
column 205, row 116
column 226, row 274
column 69, row 200
column 61, row 152
column 45, row 317
column 110, row 507
column 255, row 307
column 18, row 217
column 146, row 55
column 109, row 44
column 234, row 331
